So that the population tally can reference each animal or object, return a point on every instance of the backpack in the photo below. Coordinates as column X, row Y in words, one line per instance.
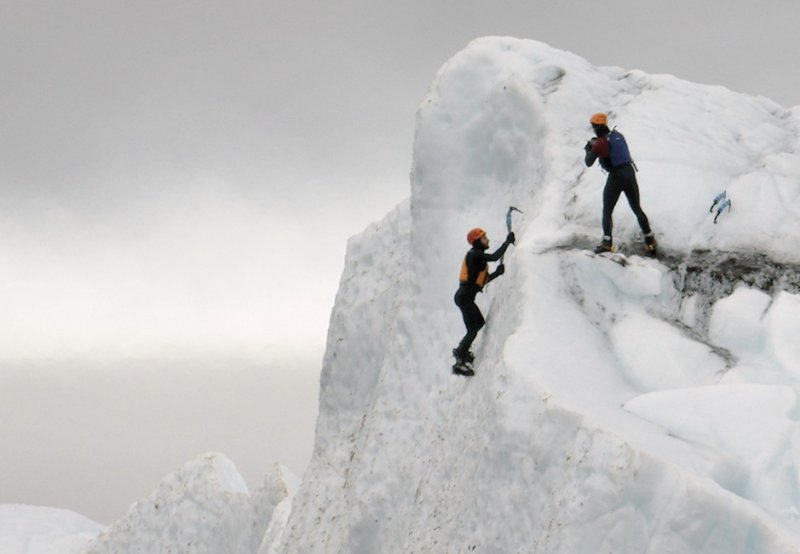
column 618, row 149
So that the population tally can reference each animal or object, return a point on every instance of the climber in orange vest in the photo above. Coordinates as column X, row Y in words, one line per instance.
column 474, row 276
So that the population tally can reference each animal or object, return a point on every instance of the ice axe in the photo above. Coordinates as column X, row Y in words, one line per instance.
column 722, row 203
column 511, row 210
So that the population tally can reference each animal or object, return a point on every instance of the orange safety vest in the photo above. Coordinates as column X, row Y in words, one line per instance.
column 480, row 280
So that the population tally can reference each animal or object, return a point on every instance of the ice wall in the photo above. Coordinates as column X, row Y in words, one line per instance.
column 556, row 444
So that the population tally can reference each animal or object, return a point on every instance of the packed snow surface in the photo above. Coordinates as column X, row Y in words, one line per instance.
column 621, row 404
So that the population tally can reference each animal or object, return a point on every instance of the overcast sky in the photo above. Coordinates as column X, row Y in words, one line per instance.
column 195, row 168
column 179, row 179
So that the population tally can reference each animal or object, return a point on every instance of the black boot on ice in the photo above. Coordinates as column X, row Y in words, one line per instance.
column 463, row 369
column 604, row 246
column 650, row 243
column 468, row 358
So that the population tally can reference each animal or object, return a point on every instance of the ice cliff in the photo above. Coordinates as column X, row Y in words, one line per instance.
column 649, row 407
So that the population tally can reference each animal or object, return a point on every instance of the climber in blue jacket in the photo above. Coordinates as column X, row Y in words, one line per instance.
column 611, row 149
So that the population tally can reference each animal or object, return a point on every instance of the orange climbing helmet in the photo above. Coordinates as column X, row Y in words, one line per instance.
column 475, row 234
column 599, row 119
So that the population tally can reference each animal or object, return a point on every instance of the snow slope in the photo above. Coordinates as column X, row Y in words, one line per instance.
column 644, row 407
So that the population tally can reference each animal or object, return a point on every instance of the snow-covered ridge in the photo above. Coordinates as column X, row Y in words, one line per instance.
column 614, row 408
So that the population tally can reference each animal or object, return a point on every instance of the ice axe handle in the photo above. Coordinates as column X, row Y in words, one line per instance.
column 511, row 209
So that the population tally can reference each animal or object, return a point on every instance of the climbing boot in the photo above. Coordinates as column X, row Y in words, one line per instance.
column 604, row 246
column 650, row 243
column 467, row 357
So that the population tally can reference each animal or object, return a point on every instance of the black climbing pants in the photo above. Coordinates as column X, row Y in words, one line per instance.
column 622, row 179
column 473, row 318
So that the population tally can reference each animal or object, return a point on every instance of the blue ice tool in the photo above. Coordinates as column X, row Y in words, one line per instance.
column 511, row 209
column 721, row 203
column 724, row 205
column 717, row 199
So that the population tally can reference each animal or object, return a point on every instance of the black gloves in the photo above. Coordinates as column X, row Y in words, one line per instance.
column 500, row 270
column 510, row 239
column 589, row 144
